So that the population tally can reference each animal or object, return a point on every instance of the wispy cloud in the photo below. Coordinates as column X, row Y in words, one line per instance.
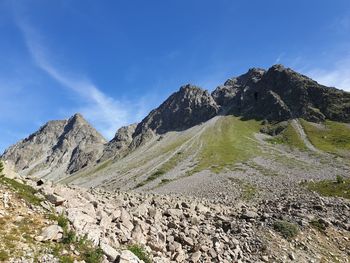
column 337, row 75
column 105, row 112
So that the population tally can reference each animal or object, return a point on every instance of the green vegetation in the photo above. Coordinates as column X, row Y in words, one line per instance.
column 317, row 224
column 13, row 231
column 26, row 192
column 229, row 141
column 164, row 181
column 140, row 252
column 289, row 136
column 339, row 179
column 286, row 229
column 151, row 178
column 338, row 188
column 248, row 191
column 4, row 255
column 334, row 137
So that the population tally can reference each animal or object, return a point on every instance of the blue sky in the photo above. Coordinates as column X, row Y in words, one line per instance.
column 114, row 61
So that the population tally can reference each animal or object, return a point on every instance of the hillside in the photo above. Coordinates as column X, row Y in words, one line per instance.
column 256, row 171
column 53, row 223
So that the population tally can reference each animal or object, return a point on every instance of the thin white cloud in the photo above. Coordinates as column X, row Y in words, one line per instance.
column 337, row 76
column 106, row 113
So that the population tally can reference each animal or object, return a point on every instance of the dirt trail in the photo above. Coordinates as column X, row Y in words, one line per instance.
column 297, row 126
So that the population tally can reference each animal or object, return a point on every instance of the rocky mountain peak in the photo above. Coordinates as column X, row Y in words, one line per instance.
column 120, row 142
column 57, row 148
column 280, row 94
column 185, row 108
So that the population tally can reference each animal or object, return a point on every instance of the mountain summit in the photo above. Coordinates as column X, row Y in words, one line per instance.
column 58, row 148
column 280, row 94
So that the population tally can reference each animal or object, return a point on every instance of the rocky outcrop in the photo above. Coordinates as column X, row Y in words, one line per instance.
column 280, row 94
column 57, row 149
column 119, row 143
column 183, row 109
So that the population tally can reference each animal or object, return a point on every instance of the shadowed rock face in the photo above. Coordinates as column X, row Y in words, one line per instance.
column 120, row 142
column 183, row 109
column 59, row 147
column 280, row 94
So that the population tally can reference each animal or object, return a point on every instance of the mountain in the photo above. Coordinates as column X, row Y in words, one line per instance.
column 256, row 171
column 193, row 132
column 57, row 149
column 280, row 94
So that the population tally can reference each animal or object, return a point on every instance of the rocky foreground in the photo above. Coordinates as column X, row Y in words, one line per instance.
column 295, row 227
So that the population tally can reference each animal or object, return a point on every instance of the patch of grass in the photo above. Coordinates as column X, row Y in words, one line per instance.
column 93, row 255
column 87, row 251
column 25, row 192
column 317, row 224
column 151, row 178
column 164, row 182
column 229, row 141
column 286, row 229
column 66, row 259
column 337, row 188
column 4, row 255
column 248, row 191
column 140, row 252
column 334, row 137
column 102, row 166
column 289, row 136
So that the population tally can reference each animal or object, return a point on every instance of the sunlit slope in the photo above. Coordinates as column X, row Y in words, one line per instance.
column 216, row 146
column 229, row 141
column 332, row 137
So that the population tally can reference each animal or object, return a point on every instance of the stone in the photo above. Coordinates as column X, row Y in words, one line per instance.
column 127, row 256
column 196, row 256
column 249, row 215
column 109, row 251
column 55, row 199
column 53, row 232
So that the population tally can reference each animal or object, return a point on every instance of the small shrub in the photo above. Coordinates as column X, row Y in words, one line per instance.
column 318, row 225
column 286, row 229
column 140, row 253
column 93, row 255
column 340, row 179
column 62, row 221
column 69, row 237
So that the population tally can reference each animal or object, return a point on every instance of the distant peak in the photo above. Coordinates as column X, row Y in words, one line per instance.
column 189, row 87
column 77, row 117
column 256, row 70
column 278, row 67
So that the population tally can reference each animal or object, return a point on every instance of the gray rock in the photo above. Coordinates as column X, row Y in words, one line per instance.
column 109, row 251
column 53, row 232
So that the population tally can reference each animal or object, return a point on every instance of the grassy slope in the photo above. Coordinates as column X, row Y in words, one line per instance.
column 334, row 138
column 229, row 141
column 289, row 137
column 331, row 188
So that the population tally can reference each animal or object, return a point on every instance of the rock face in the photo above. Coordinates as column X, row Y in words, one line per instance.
column 57, row 149
column 183, row 109
column 120, row 142
column 280, row 94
